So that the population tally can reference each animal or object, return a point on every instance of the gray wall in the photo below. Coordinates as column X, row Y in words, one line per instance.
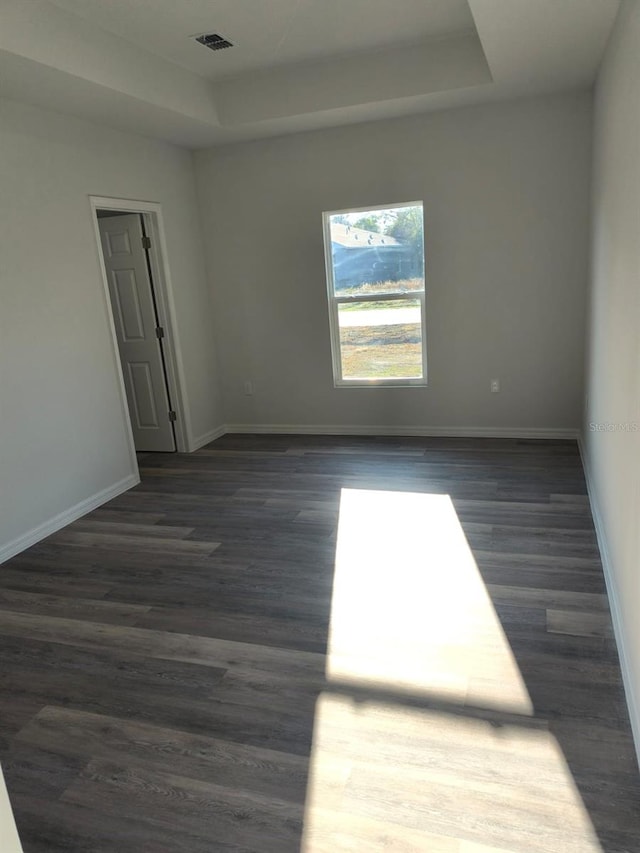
column 505, row 190
column 612, row 417
column 63, row 433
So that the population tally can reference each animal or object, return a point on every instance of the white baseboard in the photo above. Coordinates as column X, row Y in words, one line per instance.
column 201, row 440
column 36, row 534
column 614, row 603
column 446, row 431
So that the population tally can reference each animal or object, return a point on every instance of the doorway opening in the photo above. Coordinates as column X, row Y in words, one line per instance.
column 139, row 305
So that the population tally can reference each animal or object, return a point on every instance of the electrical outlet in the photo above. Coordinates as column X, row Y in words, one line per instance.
column 248, row 388
column 495, row 386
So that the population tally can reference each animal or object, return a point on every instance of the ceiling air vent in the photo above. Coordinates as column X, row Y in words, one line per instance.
column 213, row 41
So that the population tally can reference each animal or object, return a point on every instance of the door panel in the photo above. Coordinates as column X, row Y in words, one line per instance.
column 146, row 414
column 118, row 241
column 129, row 312
column 130, row 289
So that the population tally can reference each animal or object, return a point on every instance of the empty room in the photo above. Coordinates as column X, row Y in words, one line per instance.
column 320, row 423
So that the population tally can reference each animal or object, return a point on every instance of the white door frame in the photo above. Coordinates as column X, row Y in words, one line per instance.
column 152, row 215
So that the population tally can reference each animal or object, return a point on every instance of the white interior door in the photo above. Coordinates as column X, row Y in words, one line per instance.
column 136, row 325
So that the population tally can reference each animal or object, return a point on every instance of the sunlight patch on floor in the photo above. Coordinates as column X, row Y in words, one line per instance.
column 384, row 777
column 410, row 611
column 402, row 760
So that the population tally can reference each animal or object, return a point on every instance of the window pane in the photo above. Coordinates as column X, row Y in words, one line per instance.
column 377, row 251
column 381, row 340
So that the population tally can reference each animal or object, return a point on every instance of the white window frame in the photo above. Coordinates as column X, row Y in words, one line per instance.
column 334, row 301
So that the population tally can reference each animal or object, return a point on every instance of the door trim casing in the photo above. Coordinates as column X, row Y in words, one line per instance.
column 152, row 214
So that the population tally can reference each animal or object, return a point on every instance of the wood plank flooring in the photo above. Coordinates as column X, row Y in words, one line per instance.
column 325, row 644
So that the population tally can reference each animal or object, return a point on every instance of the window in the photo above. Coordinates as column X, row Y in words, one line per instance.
column 375, row 282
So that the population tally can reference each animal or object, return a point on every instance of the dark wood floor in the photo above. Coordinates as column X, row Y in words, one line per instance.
column 177, row 675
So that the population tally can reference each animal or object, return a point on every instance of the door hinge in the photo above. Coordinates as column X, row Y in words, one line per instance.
column 159, row 332
column 146, row 242
column 173, row 416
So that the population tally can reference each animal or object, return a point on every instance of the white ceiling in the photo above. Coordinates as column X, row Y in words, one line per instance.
column 270, row 32
column 296, row 64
